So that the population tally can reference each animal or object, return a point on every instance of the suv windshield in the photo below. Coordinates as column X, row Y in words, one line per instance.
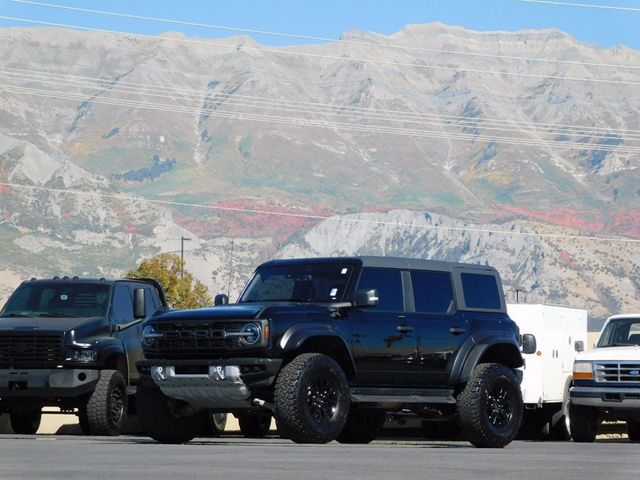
column 58, row 300
column 621, row 332
column 312, row 283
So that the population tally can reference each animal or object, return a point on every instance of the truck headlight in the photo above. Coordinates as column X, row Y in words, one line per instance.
column 582, row 370
column 149, row 335
column 84, row 355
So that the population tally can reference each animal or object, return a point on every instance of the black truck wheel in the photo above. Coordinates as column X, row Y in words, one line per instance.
column 215, row 425
column 363, row 425
column 583, row 423
column 107, row 406
column 158, row 419
column 633, row 430
column 254, row 425
column 490, row 406
column 311, row 399
column 26, row 422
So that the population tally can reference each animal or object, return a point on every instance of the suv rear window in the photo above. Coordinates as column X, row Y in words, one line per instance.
column 432, row 291
column 480, row 291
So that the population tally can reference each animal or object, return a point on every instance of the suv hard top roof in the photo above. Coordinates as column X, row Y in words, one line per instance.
column 388, row 262
column 87, row 280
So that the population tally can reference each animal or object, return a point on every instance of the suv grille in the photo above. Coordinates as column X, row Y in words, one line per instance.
column 191, row 339
column 619, row 372
column 30, row 350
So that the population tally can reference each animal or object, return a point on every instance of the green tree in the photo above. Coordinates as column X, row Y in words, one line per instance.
column 183, row 292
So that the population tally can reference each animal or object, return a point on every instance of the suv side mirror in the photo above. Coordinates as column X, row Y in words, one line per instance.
column 366, row 298
column 221, row 299
column 529, row 344
column 139, row 304
column 579, row 346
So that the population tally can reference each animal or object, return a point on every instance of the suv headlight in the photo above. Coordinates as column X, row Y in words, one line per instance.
column 582, row 370
column 149, row 335
column 250, row 334
column 83, row 355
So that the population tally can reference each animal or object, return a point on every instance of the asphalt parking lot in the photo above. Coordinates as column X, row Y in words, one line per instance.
column 233, row 457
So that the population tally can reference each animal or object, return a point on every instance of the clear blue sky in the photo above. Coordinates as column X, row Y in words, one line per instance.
column 330, row 18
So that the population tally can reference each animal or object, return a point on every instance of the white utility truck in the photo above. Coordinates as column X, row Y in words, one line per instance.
column 560, row 333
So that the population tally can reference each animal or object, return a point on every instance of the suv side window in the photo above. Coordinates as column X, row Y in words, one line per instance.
column 432, row 291
column 480, row 291
column 388, row 282
column 122, row 304
column 152, row 300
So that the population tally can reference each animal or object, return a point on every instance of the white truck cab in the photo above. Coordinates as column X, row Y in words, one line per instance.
column 606, row 380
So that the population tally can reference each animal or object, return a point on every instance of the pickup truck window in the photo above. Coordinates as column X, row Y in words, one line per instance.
column 432, row 291
column 388, row 282
column 58, row 300
column 122, row 304
column 621, row 332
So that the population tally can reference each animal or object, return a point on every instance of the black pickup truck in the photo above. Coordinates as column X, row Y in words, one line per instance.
column 73, row 343
column 328, row 346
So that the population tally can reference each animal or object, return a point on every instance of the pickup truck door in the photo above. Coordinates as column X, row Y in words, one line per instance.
column 122, row 314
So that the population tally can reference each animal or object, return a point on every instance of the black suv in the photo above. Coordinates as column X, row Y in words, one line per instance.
column 329, row 346
column 73, row 343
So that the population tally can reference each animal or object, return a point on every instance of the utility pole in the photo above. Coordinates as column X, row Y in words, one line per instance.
column 517, row 290
column 182, row 240
column 230, row 269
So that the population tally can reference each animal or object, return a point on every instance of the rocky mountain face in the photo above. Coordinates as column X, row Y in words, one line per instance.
column 370, row 145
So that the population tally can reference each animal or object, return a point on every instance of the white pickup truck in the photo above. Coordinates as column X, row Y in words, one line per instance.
column 606, row 381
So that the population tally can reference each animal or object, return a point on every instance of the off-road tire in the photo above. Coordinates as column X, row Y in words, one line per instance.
column 254, row 425
column 83, row 420
column 107, row 405
column 215, row 425
column 633, row 430
column 158, row 420
column 490, row 406
column 584, row 423
column 27, row 422
column 363, row 425
column 311, row 399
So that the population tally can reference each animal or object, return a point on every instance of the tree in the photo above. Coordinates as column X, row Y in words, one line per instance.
column 185, row 292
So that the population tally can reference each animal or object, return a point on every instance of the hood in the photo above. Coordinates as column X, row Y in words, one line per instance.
column 49, row 324
column 626, row 353
column 233, row 312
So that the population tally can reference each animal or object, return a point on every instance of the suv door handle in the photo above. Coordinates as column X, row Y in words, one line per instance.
column 404, row 328
column 457, row 330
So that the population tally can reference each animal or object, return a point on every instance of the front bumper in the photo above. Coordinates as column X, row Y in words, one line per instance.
column 608, row 397
column 57, row 382
column 220, row 384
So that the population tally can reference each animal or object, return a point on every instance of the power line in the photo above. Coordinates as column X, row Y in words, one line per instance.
column 284, row 106
column 314, row 107
column 329, row 57
column 324, row 123
column 321, row 39
column 585, row 5
column 117, row 196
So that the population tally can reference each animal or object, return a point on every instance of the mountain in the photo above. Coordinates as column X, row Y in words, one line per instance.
column 530, row 132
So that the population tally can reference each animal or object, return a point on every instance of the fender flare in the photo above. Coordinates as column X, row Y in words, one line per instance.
column 461, row 371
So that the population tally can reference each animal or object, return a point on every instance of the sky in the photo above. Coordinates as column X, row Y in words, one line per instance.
column 605, row 23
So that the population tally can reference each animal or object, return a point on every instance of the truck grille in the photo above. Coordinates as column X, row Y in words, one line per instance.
column 192, row 340
column 30, row 350
column 618, row 372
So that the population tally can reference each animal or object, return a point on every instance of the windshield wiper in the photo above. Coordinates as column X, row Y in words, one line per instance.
column 618, row 344
column 58, row 315
column 19, row 314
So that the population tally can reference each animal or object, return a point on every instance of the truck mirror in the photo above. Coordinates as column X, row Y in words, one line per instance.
column 579, row 346
column 221, row 299
column 529, row 343
column 366, row 298
column 139, row 304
